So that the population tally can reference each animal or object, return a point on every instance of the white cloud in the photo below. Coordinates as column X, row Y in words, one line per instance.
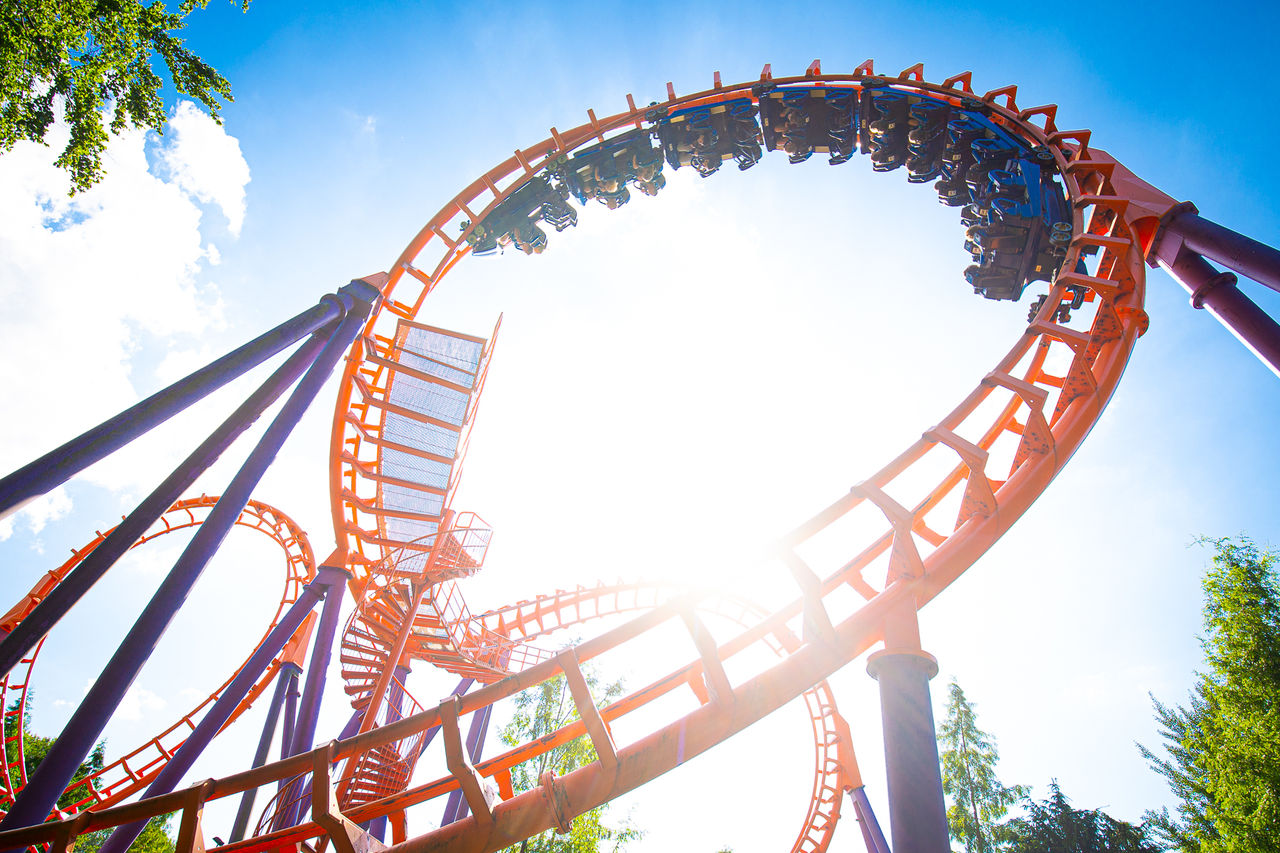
column 87, row 283
column 37, row 513
column 138, row 701
column 207, row 163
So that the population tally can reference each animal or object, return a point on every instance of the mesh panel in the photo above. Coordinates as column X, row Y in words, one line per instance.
column 427, row 398
column 432, row 438
column 452, row 359
column 415, row 469
column 411, row 500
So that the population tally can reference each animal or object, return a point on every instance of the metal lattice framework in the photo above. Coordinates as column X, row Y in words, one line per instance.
column 902, row 535
column 134, row 770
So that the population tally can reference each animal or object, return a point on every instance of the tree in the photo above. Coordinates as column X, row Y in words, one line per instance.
column 978, row 799
column 1224, row 745
column 90, row 58
column 1052, row 826
column 540, row 711
column 153, row 839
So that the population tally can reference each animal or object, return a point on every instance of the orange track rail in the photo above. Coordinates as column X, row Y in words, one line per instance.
column 135, row 770
column 1002, row 445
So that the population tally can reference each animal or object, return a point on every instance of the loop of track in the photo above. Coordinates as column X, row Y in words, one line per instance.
column 1056, row 409
column 926, row 542
column 135, row 770
column 1027, row 413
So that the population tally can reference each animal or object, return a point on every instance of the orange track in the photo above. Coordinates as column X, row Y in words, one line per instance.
column 135, row 770
column 1001, row 446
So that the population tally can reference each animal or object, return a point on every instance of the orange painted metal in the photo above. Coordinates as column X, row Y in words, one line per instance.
column 132, row 772
column 1044, row 415
column 1009, row 437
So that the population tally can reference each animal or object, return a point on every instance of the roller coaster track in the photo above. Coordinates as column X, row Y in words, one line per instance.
column 134, row 771
column 905, row 533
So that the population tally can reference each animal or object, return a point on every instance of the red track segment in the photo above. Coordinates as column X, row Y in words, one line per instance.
column 135, row 770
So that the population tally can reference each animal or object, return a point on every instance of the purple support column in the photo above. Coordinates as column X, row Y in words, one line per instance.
column 1217, row 291
column 34, row 803
column 325, row 584
column 81, row 579
column 1233, row 250
column 290, row 717
column 57, row 466
column 456, row 807
column 288, row 673
column 872, row 836
column 917, row 808
column 304, row 730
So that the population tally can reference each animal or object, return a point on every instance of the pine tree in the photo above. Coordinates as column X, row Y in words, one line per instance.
column 978, row 800
column 1052, row 826
column 1224, row 746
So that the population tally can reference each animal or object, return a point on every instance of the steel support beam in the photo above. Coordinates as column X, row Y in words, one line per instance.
column 1216, row 291
column 81, row 579
column 34, row 804
column 327, row 584
column 57, row 466
column 917, row 808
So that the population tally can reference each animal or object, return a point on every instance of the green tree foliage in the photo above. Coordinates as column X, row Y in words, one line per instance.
column 978, row 801
column 540, row 711
column 154, row 838
column 1224, row 745
column 94, row 58
column 1052, row 826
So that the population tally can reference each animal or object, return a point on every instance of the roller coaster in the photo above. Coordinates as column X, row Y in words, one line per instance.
column 1040, row 204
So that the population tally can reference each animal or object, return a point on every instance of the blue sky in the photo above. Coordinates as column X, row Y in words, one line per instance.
column 644, row 390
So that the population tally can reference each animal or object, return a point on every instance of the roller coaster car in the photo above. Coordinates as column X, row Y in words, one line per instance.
column 704, row 135
column 885, row 117
column 515, row 219
column 927, row 140
column 801, row 121
column 952, row 187
column 1018, row 228
column 602, row 171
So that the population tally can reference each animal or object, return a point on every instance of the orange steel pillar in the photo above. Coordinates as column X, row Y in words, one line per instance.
column 917, row 809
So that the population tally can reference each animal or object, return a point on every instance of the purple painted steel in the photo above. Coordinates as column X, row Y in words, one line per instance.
column 212, row 722
column 1233, row 250
column 304, row 730
column 81, row 579
column 456, row 806
column 288, row 672
column 290, row 717
column 872, row 835
column 917, row 807
column 1217, row 292
column 37, row 799
column 57, row 466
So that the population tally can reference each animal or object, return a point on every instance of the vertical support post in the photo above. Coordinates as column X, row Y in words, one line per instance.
column 325, row 583
column 456, row 807
column 917, row 806
column 57, row 466
column 81, row 579
column 288, row 673
column 304, row 730
column 36, row 801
